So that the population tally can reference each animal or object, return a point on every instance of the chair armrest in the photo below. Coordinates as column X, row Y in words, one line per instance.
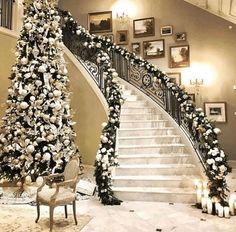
column 55, row 175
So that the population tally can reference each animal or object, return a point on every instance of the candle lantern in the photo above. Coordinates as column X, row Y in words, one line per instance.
column 199, row 196
column 231, row 205
column 220, row 211
column 209, row 206
column 204, row 204
column 226, row 212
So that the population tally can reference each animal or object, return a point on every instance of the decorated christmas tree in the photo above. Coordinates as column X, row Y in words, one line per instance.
column 37, row 135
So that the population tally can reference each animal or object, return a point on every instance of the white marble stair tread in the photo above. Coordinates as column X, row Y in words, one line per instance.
column 146, row 128
column 153, row 145
column 140, row 114
column 155, row 190
column 139, row 107
column 153, row 156
column 144, row 120
column 149, row 137
column 156, row 177
column 154, row 166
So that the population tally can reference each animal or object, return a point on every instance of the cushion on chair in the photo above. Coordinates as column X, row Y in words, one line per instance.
column 64, row 196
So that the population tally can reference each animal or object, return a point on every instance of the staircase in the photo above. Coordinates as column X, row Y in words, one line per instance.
column 225, row 9
column 154, row 162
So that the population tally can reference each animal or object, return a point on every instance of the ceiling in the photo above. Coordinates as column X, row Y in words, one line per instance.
column 223, row 8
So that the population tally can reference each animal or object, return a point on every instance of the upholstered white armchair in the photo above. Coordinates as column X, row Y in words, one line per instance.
column 61, row 193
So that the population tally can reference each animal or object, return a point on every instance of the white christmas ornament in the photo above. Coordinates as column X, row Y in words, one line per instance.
column 46, row 156
column 51, row 41
column 28, row 180
column 57, row 93
column 66, row 142
column 104, row 139
column 39, row 180
column 38, row 82
column 28, row 26
column 24, row 105
column 24, row 60
column 42, row 68
column 38, row 5
column 32, row 98
column 30, row 149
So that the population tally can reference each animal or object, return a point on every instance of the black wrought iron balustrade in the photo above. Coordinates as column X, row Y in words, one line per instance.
column 155, row 84
column 86, row 56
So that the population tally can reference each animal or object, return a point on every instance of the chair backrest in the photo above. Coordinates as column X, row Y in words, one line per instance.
column 72, row 169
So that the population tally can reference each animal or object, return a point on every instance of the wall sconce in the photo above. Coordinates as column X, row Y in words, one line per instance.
column 122, row 18
column 197, row 82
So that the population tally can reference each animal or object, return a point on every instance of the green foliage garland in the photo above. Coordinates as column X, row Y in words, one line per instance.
column 202, row 131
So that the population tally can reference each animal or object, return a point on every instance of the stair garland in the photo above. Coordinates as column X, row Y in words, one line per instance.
column 203, row 133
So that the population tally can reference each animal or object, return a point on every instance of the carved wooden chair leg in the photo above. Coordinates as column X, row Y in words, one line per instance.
column 38, row 212
column 74, row 212
column 66, row 215
column 51, row 217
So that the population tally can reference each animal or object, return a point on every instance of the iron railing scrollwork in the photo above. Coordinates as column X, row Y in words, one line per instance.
column 158, row 86
column 86, row 56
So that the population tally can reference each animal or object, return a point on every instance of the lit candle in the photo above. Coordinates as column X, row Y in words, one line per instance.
column 199, row 185
column 199, row 195
column 206, row 192
column 226, row 212
column 220, row 211
column 209, row 206
column 217, row 204
column 204, row 204
column 204, row 184
column 231, row 205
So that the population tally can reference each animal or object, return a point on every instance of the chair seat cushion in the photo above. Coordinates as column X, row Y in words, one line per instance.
column 64, row 196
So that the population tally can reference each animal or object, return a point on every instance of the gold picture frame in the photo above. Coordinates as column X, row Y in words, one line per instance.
column 100, row 22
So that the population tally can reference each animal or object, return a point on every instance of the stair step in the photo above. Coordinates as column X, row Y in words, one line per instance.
column 127, row 91
column 131, row 97
column 140, row 116
column 138, row 140
column 155, row 158
column 143, row 123
column 134, row 110
column 183, row 195
column 137, row 103
column 154, row 181
column 155, row 169
column 145, row 131
column 151, row 149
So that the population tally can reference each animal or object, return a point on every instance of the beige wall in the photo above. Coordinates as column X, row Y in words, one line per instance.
column 211, row 43
column 7, row 57
column 89, row 112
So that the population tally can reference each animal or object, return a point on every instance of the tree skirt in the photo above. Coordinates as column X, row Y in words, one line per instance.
column 22, row 219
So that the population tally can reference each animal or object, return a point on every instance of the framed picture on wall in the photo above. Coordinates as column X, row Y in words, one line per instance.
column 192, row 95
column 110, row 37
column 181, row 36
column 166, row 30
column 99, row 22
column 175, row 77
column 144, row 27
column 154, row 49
column 122, row 37
column 215, row 111
column 179, row 56
column 136, row 48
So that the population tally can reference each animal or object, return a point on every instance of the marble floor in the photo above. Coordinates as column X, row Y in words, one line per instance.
column 132, row 217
